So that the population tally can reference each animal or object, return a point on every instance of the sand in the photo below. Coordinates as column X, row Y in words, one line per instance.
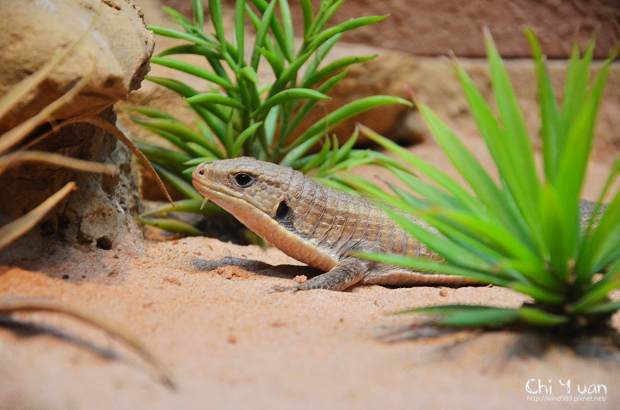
column 203, row 306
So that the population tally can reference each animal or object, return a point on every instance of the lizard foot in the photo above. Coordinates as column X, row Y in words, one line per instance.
column 280, row 288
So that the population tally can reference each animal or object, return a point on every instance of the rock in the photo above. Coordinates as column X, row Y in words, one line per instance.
column 114, row 56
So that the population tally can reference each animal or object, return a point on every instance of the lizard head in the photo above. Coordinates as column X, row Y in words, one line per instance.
column 244, row 185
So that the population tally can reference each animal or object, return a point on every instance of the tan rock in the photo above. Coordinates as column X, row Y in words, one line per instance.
column 114, row 54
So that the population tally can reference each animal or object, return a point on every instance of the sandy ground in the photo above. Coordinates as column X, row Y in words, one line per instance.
column 202, row 305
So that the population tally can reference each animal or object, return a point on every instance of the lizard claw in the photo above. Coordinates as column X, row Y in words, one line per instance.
column 280, row 288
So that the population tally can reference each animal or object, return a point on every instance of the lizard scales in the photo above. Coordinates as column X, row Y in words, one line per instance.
column 314, row 224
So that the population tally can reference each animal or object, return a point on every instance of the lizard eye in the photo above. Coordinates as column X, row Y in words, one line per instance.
column 244, row 180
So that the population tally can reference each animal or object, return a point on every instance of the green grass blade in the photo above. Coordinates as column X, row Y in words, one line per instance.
column 490, row 316
column 198, row 13
column 287, row 24
column 291, row 94
column 332, row 68
column 575, row 91
column 193, row 70
column 604, row 308
column 261, row 34
column 308, row 13
column 178, row 183
column 309, row 105
column 188, row 205
column 345, row 112
column 320, row 54
column 240, row 30
column 182, row 131
column 195, row 49
column 242, row 138
column 211, row 98
column 539, row 317
column 431, row 172
column 215, row 10
column 150, row 112
column 318, row 159
column 172, row 33
column 538, row 293
column 178, row 87
column 319, row 39
column 518, row 144
column 599, row 291
column 171, row 225
column 426, row 265
column 467, row 165
column 276, row 28
column 549, row 110
column 274, row 61
column 452, row 251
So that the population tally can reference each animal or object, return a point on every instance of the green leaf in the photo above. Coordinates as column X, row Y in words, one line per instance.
column 287, row 24
column 310, row 104
column 172, row 33
column 433, row 267
column 434, row 174
column 249, row 74
column 240, row 140
column 211, row 98
column 518, row 143
column 150, row 112
column 549, row 111
column 598, row 291
column 345, row 112
column 468, row 315
column 348, row 25
column 276, row 29
column 539, row 317
column 215, row 10
column 193, row 70
column 195, row 49
column 261, row 33
column 198, row 13
column 604, row 308
column 274, row 61
column 332, row 68
column 188, row 205
column 468, row 166
column 171, row 225
column 306, row 10
column 178, row 87
column 180, row 130
column 292, row 94
column 177, row 183
column 240, row 30
column 320, row 158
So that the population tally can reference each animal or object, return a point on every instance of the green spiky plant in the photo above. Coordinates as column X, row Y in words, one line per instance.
column 236, row 115
column 524, row 232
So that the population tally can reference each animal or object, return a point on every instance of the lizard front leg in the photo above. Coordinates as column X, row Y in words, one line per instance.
column 347, row 273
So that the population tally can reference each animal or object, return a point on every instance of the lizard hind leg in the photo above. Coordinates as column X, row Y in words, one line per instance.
column 347, row 273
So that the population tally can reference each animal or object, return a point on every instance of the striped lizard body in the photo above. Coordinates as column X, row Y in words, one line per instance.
column 315, row 224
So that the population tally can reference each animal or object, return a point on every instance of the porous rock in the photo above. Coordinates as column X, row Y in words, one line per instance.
column 113, row 54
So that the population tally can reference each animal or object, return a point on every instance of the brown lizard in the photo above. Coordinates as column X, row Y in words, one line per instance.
column 315, row 224
column 318, row 225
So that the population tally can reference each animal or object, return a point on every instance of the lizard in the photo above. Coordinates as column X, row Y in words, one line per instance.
column 315, row 224
column 319, row 225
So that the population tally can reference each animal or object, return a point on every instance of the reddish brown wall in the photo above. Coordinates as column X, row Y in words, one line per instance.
column 432, row 27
